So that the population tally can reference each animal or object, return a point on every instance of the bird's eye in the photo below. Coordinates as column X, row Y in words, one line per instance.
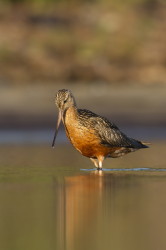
column 65, row 101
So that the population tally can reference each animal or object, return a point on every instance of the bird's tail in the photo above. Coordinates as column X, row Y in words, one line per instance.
column 145, row 144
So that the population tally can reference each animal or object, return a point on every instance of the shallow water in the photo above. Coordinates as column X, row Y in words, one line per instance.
column 54, row 199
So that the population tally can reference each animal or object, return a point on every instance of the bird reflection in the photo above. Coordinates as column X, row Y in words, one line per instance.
column 80, row 208
column 95, row 210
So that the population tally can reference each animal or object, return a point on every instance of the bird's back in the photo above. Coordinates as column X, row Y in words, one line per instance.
column 109, row 134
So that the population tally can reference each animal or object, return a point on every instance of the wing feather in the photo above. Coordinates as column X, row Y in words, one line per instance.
column 108, row 132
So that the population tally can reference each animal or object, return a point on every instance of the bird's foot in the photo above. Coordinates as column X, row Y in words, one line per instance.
column 99, row 169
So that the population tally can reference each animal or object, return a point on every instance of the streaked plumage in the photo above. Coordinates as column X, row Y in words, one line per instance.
column 92, row 135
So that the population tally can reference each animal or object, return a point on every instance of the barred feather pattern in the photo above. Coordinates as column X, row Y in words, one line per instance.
column 108, row 132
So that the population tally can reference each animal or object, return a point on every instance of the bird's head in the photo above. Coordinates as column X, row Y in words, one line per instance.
column 63, row 100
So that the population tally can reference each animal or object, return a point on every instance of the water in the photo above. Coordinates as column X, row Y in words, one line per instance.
column 38, row 136
column 54, row 199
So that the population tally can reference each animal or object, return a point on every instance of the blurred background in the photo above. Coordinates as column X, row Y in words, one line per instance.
column 111, row 54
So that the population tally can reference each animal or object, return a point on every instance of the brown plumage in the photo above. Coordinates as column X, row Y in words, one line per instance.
column 92, row 135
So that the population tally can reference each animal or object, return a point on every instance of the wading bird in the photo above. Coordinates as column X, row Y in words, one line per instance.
column 91, row 134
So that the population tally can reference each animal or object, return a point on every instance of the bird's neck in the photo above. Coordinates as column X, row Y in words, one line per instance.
column 70, row 114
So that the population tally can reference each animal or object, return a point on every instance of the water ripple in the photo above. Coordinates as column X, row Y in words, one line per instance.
column 129, row 169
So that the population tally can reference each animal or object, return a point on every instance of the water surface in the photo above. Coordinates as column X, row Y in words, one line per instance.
column 48, row 199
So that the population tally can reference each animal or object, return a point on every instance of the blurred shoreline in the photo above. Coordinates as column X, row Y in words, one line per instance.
column 32, row 106
column 117, row 41
column 110, row 54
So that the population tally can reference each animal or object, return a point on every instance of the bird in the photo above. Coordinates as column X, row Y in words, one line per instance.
column 92, row 135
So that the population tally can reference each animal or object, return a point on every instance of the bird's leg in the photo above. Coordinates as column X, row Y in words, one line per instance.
column 100, row 161
column 100, row 166
column 95, row 162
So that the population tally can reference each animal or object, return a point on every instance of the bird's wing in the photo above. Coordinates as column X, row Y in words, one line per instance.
column 108, row 132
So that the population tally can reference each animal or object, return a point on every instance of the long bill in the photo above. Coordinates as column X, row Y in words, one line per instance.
column 57, row 127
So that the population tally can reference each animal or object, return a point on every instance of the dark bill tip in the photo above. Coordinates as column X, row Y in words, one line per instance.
column 57, row 127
